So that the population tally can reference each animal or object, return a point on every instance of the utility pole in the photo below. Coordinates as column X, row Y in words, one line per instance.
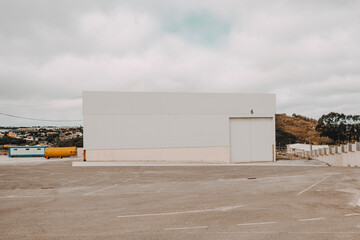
column 310, row 143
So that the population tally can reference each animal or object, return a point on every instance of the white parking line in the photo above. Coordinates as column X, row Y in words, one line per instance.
column 289, row 176
column 91, row 193
column 352, row 214
column 92, row 183
column 311, row 219
column 128, row 180
column 219, row 209
column 25, row 196
column 259, row 223
column 4, row 174
column 160, row 190
column 187, row 228
column 277, row 232
column 69, row 182
column 313, row 185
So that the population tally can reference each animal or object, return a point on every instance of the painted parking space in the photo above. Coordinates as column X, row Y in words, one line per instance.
column 172, row 202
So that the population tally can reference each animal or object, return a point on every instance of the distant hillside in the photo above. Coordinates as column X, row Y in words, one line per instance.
column 297, row 129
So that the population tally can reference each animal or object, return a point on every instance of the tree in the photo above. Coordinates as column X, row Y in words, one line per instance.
column 74, row 142
column 339, row 127
column 297, row 129
column 6, row 140
column 51, row 138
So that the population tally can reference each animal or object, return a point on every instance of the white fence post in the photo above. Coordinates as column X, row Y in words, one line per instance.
column 332, row 150
column 344, row 148
column 357, row 146
column 327, row 150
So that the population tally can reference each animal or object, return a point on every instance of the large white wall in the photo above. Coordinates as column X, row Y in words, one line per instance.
column 154, row 131
column 128, row 120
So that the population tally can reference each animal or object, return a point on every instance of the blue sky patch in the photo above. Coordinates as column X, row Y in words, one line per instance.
column 200, row 27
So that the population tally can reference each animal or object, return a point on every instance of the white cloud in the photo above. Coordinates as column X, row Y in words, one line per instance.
column 305, row 52
column 122, row 30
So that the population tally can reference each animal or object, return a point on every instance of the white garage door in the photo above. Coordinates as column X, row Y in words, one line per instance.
column 251, row 139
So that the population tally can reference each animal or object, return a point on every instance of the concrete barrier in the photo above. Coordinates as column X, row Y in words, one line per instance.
column 344, row 148
column 352, row 147
column 299, row 152
column 317, row 152
column 346, row 155
column 326, row 151
column 80, row 152
column 338, row 149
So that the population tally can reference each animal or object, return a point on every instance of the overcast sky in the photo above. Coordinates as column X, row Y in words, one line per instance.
column 307, row 52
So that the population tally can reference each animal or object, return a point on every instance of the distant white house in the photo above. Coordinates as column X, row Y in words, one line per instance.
column 305, row 147
column 29, row 138
column 78, row 134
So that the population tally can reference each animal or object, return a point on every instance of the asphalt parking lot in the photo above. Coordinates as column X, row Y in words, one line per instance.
column 57, row 201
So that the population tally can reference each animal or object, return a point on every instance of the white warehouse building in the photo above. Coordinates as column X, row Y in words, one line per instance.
column 179, row 127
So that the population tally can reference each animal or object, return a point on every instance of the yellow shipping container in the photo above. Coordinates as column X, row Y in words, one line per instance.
column 60, row 152
column 6, row 146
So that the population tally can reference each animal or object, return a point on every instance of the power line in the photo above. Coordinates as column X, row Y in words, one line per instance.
column 29, row 103
column 36, row 119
